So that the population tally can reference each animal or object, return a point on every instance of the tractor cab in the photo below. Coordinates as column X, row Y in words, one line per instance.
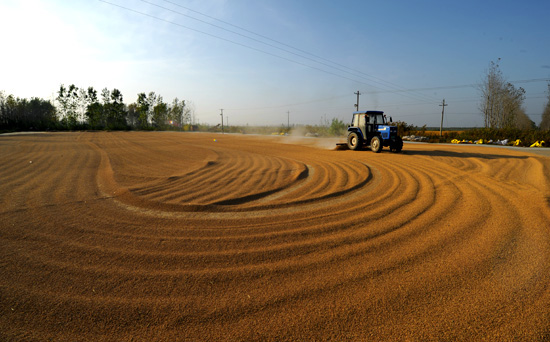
column 368, row 121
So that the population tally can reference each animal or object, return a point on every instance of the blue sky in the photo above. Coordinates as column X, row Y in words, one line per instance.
column 260, row 59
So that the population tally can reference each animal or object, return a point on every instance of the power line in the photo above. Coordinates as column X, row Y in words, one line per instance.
column 372, row 79
column 353, row 71
column 230, row 41
column 293, row 104
column 411, row 92
column 471, row 85
column 393, row 104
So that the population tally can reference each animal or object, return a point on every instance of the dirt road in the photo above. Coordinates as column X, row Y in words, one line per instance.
column 135, row 236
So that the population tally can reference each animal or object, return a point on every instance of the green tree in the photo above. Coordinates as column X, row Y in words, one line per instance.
column 12, row 106
column 160, row 113
column 23, row 114
column 106, row 102
column 118, row 110
column 337, row 127
column 151, row 99
column 20, row 117
column 7, row 111
column 179, row 114
column 3, row 110
column 142, row 111
column 94, row 111
column 42, row 114
column 404, row 128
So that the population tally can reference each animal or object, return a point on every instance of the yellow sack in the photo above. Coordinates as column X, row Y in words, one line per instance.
column 517, row 142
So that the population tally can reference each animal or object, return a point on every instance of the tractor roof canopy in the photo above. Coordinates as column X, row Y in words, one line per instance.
column 371, row 112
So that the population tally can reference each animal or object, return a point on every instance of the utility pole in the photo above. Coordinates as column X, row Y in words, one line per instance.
column 221, row 114
column 442, row 114
column 357, row 104
column 288, row 119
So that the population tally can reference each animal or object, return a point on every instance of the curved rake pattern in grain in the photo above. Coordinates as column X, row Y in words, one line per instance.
column 169, row 236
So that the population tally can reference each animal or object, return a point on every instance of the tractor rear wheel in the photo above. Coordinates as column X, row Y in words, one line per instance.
column 355, row 142
column 398, row 145
column 376, row 144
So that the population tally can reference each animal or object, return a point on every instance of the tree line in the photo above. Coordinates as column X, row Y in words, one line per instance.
column 502, row 103
column 85, row 108
column 23, row 114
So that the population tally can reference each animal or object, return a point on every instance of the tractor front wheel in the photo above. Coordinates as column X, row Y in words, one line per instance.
column 376, row 144
column 355, row 142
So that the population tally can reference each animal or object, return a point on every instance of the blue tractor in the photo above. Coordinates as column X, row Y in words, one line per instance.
column 371, row 129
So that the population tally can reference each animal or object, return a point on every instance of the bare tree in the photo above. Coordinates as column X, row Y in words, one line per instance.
column 513, row 113
column 522, row 121
column 132, row 115
column 491, row 94
column 83, row 102
column 176, row 112
column 67, row 99
column 152, row 100
column 501, row 102
column 160, row 113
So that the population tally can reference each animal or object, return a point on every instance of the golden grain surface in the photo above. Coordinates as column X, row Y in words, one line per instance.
column 150, row 236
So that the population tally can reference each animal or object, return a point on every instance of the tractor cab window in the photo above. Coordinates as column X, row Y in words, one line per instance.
column 379, row 119
column 369, row 119
column 355, row 121
column 358, row 120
